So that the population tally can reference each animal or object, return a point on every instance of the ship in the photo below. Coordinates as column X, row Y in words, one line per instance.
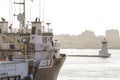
column 29, row 54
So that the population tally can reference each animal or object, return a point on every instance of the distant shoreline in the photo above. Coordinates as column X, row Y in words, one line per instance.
column 88, row 40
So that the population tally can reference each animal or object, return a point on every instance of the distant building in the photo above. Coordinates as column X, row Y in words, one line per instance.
column 112, row 34
column 113, row 39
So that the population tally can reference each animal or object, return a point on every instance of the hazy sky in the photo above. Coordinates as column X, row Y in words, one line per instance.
column 75, row 16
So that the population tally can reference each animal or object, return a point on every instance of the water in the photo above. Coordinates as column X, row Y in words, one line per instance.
column 90, row 68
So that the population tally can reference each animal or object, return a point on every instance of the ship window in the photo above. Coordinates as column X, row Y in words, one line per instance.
column 33, row 30
column 50, row 39
column 0, row 31
column 12, row 79
column 44, row 39
column 5, row 40
column 4, row 78
column 39, row 32
column 12, row 47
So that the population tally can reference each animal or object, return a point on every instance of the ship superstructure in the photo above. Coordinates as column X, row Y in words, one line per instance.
column 29, row 54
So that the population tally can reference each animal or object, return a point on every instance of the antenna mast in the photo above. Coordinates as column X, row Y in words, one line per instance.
column 21, row 16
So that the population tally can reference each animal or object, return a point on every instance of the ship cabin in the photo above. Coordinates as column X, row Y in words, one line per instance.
column 40, row 35
column 39, row 38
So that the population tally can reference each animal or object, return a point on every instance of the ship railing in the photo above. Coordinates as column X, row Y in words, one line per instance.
column 20, row 56
column 3, row 75
column 48, row 30
column 14, row 30
column 17, row 77
column 17, row 30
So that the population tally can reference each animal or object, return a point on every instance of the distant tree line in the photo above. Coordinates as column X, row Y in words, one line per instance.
column 88, row 40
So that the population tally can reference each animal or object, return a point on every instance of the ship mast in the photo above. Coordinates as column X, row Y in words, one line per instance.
column 21, row 16
column 24, row 13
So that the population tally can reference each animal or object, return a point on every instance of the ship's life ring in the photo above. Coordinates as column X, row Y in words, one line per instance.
column 32, row 46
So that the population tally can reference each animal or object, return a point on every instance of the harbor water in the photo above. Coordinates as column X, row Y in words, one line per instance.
column 90, row 68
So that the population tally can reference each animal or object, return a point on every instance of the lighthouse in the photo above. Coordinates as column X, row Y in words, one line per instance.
column 104, row 50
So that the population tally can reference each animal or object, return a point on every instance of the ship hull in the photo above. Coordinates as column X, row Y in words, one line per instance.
column 50, row 73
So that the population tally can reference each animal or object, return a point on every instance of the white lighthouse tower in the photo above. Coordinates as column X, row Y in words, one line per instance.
column 104, row 50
